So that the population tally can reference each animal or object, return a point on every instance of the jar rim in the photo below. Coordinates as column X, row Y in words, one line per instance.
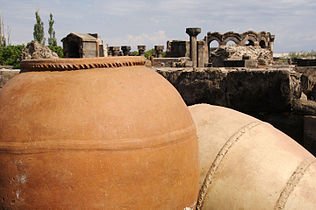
column 69, row 64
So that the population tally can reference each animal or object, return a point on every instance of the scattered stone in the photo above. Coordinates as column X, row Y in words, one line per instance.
column 233, row 52
column 35, row 50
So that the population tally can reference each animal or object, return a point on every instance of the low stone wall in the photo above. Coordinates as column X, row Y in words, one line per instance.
column 170, row 62
column 246, row 90
column 308, row 81
column 271, row 94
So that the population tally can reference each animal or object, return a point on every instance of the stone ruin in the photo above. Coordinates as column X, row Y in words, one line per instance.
column 250, row 56
column 244, row 77
column 77, row 45
column 250, row 49
column 125, row 50
column 249, row 45
column 35, row 50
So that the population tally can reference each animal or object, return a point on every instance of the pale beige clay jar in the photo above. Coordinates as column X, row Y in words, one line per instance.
column 248, row 164
column 99, row 133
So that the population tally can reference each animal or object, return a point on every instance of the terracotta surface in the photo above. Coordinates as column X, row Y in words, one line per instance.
column 116, row 137
column 248, row 164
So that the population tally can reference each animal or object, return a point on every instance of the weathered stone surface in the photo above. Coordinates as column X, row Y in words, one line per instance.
column 308, row 81
column 306, row 62
column 178, row 48
column 116, row 51
column 126, row 50
column 35, row 50
column 304, row 107
column 83, row 45
column 234, row 52
column 171, row 62
column 159, row 50
column 250, row 90
column 248, row 38
column 141, row 49
column 193, row 32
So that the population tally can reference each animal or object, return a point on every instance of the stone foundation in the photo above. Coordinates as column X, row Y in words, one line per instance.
column 270, row 94
column 247, row 90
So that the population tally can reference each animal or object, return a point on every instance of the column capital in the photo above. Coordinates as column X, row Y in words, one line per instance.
column 116, row 51
column 193, row 31
column 159, row 50
column 141, row 49
column 126, row 50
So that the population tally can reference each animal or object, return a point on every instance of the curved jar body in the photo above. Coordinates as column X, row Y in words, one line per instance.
column 111, row 134
column 248, row 164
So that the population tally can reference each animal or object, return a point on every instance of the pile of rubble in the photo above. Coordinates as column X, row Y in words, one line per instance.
column 234, row 52
column 35, row 50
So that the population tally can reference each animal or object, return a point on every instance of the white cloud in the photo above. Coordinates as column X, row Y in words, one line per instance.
column 119, row 8
column 156, row 38
column 134, row 22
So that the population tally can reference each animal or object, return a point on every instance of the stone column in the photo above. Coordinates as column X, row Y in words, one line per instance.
column 126, row 50
column 193, row 32
column 141, row 50
column 110, row 51
column 159, row 50
column 116, row 51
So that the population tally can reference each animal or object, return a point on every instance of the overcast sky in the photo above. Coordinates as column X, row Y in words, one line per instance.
column 152, row 22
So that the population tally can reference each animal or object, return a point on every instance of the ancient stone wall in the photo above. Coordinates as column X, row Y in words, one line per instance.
column 89, row 50
column 247, row 90
column 308, row 81
column 260, row 47
column 249, row 38
column 233, row 52
column 272, row 95
column 178, row 48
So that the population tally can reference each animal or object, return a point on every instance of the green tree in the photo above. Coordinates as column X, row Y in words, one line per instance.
column 38, row 33
column 52, row 39
column 149, row 53
column 58, row 50
column 10, row 55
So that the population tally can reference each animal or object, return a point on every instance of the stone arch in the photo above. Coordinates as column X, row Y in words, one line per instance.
column 263, row 43
column 253, row 41
column 249, row 42
column 250, row 36
column 213, row 41
column 214, row 36
column 231, row 36
column 263, row 34
column 231, row 42
column 250, row 33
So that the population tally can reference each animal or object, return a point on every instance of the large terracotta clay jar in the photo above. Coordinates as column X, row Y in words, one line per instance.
column 248, row 164
column 98, row 133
